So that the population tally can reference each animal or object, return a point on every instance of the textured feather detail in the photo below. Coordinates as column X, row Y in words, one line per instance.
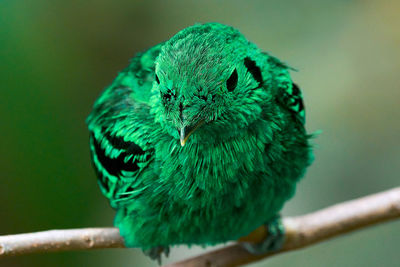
column 289, row 94
column 294, row 101
column 235, row 171
column 117, row 164
column 119, row 133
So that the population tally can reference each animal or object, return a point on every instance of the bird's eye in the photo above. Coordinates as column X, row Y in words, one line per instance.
column 232, row 81
column 157, row 80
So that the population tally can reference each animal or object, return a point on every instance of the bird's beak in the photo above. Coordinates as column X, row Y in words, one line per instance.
column 187, row 131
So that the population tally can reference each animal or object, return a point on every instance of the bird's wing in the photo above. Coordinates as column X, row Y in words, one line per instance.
column 289, row 94
column 120, row 126
column 293, row 100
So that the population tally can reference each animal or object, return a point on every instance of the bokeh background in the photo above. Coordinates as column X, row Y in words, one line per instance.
column 56, row 56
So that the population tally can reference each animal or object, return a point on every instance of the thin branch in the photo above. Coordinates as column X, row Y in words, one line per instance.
column 301, row 231
column 306, row 230
column 60, row 240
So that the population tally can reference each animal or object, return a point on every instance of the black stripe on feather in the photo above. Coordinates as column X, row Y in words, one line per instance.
column 114, row 166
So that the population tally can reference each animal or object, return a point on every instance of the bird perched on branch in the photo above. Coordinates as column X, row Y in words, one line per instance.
column 200, row 140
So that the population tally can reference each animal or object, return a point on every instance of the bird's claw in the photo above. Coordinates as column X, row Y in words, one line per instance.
column 274, row 240
column 156, row 253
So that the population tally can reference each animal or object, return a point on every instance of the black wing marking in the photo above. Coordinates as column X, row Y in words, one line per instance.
column 114, row 166
column 294, row 101
column 123, row 108
column 116, row 162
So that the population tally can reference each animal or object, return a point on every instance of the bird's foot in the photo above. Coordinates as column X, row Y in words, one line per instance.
column 272, row 242
column 156, row 253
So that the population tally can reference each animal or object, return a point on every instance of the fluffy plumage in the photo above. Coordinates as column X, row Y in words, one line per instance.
column 237, row 168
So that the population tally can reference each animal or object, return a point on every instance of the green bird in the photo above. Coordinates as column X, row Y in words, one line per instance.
column 200, row 140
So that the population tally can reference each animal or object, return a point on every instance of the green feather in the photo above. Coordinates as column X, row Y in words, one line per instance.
column 236, row 169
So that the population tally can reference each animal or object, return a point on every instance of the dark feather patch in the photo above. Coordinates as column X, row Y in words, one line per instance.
column 114, row 166
column 102, row 179
column 298, row 100
column 119, row 143
column 294, row 101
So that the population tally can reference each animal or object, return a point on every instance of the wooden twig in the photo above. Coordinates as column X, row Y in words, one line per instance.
column 301, row 231
column 60, row 240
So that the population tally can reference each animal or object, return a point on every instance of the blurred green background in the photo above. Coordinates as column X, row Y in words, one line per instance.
column 56, row 56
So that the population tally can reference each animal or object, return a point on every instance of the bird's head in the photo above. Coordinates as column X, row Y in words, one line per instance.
column 209, row 83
